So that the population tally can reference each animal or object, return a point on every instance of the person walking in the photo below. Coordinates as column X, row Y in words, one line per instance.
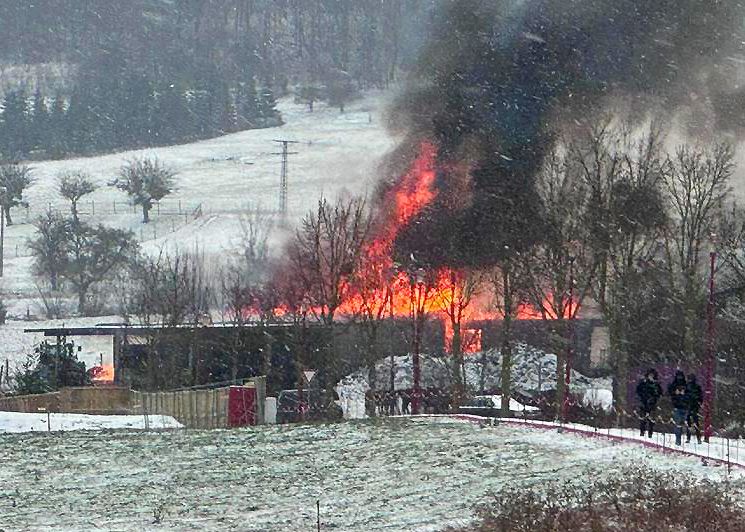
column 695, row 397
column 649, row 392
column 679, row 397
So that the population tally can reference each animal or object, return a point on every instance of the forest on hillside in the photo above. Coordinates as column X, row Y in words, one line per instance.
column 86, row 76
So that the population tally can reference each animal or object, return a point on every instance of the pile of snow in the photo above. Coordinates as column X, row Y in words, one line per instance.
column 598, row 398
column 515, row 405
column 351, row 392
column 24, row 422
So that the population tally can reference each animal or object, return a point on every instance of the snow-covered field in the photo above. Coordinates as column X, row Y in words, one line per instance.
column 398, row 474
column 335, row 153
column 25, row 422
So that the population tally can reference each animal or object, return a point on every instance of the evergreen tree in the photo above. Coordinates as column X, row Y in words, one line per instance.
column 57, row 134
column 14, row 133
column 172, row 117
column 40, row 121
column 247, row 104
column 268, row 113
column 79, row 124
column 135, row 105
column 51, row 367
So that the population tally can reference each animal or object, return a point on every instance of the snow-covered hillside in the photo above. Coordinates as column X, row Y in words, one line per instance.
column 220, row 177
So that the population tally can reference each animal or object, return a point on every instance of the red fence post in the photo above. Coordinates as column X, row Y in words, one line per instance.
column 241, row 406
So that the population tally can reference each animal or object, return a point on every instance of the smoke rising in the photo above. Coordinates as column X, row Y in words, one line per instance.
column 499, row 78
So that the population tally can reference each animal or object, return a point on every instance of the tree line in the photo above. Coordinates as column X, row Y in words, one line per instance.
column 155, row 72
column 115, row 111
column 293, row 42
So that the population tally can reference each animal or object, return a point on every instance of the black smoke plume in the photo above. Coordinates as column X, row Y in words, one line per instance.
column 499, row 77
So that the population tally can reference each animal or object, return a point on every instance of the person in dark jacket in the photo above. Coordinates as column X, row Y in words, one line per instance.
column 679, row 398
column 649, row 392
column 695, row 398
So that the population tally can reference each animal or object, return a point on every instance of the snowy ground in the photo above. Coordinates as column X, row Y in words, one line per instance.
column 23, row 422
column 732, row 450
column 404, row 474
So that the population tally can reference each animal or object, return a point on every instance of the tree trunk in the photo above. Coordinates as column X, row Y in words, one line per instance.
column 81, row 302
column 146, row 213
column 506, row 377
column 234, row 358
column 456, row 352
column 267, row 359
column 560, row 369
column 8, row 219
column 74, row 209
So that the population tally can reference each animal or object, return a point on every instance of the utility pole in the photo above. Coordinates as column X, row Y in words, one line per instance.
column 283, row 175
column 710, row 356
column 570, row 341
column 3, row 191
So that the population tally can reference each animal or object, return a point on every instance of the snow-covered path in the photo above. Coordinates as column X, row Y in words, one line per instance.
column 395, row 474
column 721, row 450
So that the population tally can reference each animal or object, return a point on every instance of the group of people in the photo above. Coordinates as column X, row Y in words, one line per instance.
column 686, row 397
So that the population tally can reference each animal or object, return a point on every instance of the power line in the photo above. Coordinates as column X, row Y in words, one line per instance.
column 283, row 175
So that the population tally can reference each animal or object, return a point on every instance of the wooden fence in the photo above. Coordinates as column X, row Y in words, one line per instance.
column 193, row 408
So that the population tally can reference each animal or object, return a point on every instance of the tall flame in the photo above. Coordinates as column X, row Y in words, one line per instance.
column 379, row 287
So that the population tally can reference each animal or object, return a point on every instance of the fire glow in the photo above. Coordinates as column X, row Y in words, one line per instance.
column 381, row 287
column 102, row 374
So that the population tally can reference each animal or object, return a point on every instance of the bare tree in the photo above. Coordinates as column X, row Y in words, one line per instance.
column 460, row 287
column 561, row 267
column 256, row 230
column 50, row 247
column 73, row 186
column 372, row 292
column 625, row 218
column 15, row 178
column 697, row 186
column 508, row 285
column 92, row 254
column 172, row 295
column 146, row 181
column 327, row 250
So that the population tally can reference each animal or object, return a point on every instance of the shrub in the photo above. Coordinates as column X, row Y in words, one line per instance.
column 636, row 499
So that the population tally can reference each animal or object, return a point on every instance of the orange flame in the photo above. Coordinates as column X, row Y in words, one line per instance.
column 378, row 286
column 103, row 373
